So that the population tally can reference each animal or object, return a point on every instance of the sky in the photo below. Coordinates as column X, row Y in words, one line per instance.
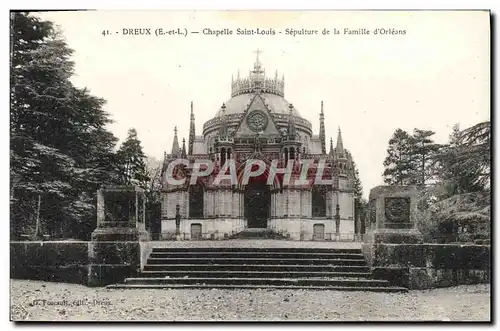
column 433, row 76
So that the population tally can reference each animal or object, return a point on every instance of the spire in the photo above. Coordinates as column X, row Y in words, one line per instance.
column 291, row 131
column 175, row 144
column 331, row 146
column 257, row 81
column 223, row 123
column 165, row 160
column 192, row 131
column 183, row 152
column 322, row 134
column 340, row 145
column 257, row 53
column 257, row 67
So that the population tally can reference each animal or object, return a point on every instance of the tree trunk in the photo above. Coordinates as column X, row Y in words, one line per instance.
column 37, row 224
column 423, row 169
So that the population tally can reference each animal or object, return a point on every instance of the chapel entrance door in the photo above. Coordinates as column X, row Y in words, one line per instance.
column 257, row 204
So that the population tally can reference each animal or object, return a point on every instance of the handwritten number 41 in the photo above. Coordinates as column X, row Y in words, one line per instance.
column 105, row 32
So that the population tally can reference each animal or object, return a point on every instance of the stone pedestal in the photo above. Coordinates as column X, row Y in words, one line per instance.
column 119, row 246
column 392, row 215
column 120, row 214
column 391, row 222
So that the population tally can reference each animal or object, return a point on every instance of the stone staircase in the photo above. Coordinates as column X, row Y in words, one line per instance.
column 258, row 233
column 272, row 268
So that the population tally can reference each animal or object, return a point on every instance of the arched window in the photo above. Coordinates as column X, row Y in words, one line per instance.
column 286, row 155
column 292, row 153
column 196, row 201
column 229, row 153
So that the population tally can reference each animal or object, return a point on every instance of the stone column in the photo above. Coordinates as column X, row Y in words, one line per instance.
column 177, row 221
column 357, row 219
column 357, row 227
column 337, row 222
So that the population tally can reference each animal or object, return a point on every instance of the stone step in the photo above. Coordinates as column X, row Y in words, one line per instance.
column 253, row 274
column 286, row 255
column 257, row 249
column 260, row 261
column 319, row 281
column 252, row 287
column 258, row 234
column 162, row 268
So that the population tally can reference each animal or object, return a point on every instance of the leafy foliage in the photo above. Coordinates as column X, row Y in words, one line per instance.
column 424, row 150
column 131, row 164
column 410, row 158
column 464, row 164
column 454, row 178
column 60, row 151
column 459, row 211
column 400, row 163
column 461, row 195
column 358, row 187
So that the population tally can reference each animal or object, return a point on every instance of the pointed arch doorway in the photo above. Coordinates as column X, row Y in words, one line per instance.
column 257, row 204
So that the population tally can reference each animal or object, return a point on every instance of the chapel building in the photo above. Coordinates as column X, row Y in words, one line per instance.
column 257, row 122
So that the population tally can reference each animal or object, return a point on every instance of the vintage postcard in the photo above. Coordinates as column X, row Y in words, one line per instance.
column 250, row 165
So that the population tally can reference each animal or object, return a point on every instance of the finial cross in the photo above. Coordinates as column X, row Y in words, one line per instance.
column 258, row 51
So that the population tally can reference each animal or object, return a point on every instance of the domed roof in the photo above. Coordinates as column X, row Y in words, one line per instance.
column 272, row 91
column 276, row 103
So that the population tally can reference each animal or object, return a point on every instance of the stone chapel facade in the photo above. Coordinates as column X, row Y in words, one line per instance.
column 257, row 122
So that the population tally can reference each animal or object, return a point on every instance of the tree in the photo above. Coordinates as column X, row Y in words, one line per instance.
column 131, row 161
column 358, row 187
column 39, row 91
column 153, row 194
column 59, row 144
column 153, row 185
column 461, row 194
column 476, row 142
column 424, row 151
column 400, row 163
column 464, row 164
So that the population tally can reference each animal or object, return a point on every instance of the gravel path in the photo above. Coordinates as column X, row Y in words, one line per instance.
column 75, row 302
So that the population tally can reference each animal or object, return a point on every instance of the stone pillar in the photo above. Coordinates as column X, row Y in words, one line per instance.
column 357, row 227
column 357, row 219
column 392, row 216
column 120, row 244
column 177, row 220
column 337, row 222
